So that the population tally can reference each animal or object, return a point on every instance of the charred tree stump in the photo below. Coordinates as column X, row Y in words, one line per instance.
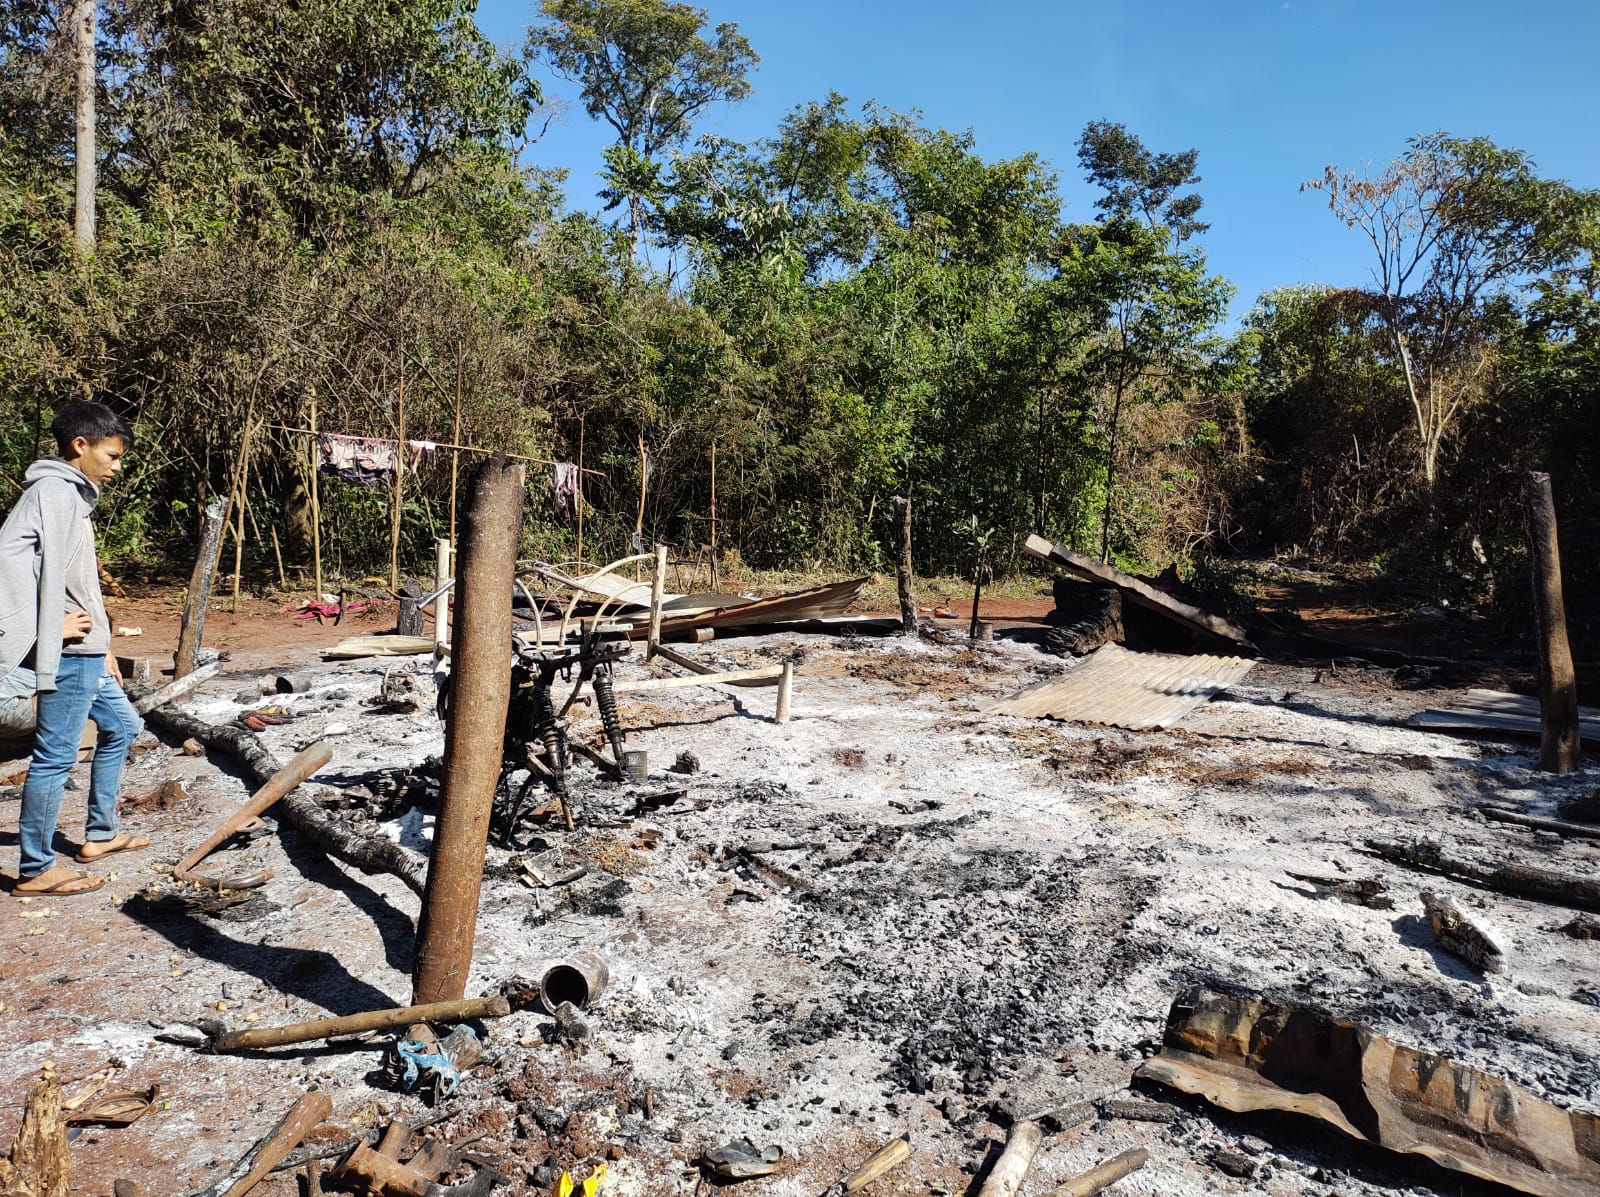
column 475, row 732
column 192, row 629
column 1085, row 618
column 1559, row 744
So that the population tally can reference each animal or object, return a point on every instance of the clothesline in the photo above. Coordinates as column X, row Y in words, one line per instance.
column 435, row 444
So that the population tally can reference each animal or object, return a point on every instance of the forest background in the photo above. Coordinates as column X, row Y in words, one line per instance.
column 323, row 210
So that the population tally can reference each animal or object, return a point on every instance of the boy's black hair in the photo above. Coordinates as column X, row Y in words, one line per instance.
column 92, row 421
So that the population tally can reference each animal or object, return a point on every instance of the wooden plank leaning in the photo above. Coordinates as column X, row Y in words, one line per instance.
column 304, row 763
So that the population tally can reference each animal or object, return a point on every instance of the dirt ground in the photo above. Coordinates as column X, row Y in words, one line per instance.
column 894, row 914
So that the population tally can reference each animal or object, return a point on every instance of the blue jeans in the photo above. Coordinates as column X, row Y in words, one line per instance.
column 84, row 690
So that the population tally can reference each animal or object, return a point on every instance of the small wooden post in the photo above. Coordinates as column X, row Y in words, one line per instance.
column 1559, row 742
column 399, row 476
column 238, row 533
column 474, row 733
column 713, row 515
column 581, row 420
column 441, row 605
column 192, row 629
column 658, row 586
column 316, row 505
column 908, row 604
column 785, row 693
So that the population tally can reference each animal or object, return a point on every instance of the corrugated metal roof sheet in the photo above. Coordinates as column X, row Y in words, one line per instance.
column 1127, row 689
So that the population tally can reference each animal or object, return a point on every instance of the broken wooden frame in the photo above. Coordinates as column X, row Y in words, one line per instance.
column 781, row 676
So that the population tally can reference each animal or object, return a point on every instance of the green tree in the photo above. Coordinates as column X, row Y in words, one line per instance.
column 647, row 70
column 1136, row 182
column 1457, row 228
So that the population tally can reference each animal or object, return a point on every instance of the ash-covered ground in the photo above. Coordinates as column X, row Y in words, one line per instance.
column 893, row 914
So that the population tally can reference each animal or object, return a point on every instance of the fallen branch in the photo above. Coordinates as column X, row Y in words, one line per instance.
column 1521, row 881
column 369, row 853
column 1504, row 814
column 1103, row 1176
column 880, row 1162
column 355, row 1024
column 372, row 854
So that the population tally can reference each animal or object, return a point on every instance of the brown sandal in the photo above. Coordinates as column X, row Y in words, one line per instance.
column 121, row 842
column 72, row 884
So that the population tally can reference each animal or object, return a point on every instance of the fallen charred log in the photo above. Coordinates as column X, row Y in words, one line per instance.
column 1519, row 880
column 369, row 853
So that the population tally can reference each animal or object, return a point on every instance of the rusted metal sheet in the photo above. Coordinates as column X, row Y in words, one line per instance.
column 1244, row 1055
column 1127, row 689
column 1495, row 712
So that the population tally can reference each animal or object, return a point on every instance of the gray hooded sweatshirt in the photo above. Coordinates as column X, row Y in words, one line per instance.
column 47, row 568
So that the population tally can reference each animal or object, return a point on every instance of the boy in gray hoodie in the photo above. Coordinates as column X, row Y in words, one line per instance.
column 49, row 579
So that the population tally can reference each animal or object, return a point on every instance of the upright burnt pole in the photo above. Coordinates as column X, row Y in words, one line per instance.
column 480, row 690
column 1559, row 744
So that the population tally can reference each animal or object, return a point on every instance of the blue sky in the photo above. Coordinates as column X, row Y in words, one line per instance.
column 1269, row 91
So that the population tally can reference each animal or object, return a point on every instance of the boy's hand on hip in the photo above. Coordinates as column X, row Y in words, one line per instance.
column 76, row 626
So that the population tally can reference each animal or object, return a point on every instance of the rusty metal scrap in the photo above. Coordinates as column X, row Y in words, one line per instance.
column 1245, row 1055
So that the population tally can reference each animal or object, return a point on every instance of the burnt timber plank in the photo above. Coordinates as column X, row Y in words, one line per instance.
column 1143, row 593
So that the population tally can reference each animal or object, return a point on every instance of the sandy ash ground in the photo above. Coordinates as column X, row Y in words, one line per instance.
column 893, row 914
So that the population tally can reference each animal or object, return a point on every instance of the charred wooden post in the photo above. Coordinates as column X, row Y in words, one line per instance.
column 192, row 629
column 475, row 733
column 908, row 605
column 1559, row 744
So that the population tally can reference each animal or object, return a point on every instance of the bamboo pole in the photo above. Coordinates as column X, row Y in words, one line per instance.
column 277, row 556
column 316, row 506
column 455, row 453
column 713, row 515
column 638, row 522
column 486, row 565
column 441, row 605
column 399, row 477
column 458, row 1010
column 244, row 505
column 582, row 419
column 1559, row 743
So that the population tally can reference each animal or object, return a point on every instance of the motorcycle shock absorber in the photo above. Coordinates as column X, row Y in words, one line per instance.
column 605, row 697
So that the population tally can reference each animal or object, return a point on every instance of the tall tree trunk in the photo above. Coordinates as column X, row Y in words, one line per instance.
column 1111, row 472
column 83, row 22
